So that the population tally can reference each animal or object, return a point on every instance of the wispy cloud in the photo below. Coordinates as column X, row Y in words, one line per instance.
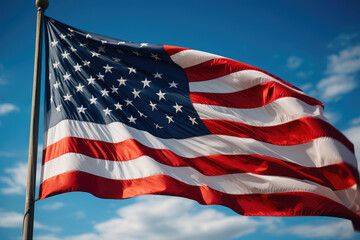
column 338, row 229
column 52, row 206
column 294, row 62
column 333, row 117
column 355, row 121
column 6, row 108
column 168, row 218
column 15, row 220
column 16, row 179
column 353, row 134
column 3, row 81
column 341, row 73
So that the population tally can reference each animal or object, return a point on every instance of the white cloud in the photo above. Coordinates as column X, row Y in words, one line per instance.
column 170, row 218
column 52, row 206
column 306, row 86
column 79, row 214
column 10, row 219
column 6, row 108
column 333, row 117
column 294, row 62
column 15, row 220
column 355, row 121
column 17, row 178
column 353, row 134
column 341, row 73
column 343, row 40
column 333, row 87
column 339, row 229
column 346, row 62
column 304, row 74
column 3, row 81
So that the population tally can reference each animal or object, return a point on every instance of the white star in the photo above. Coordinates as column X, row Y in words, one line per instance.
column 65, row 55
column 132, row 119
column 101, row 49
column 142, row 115
column 94, row 54
column 155, row 56
column 170, row 118
column 157, row 75
column 104, row 92
column 131, row 69
column 56, row 85
column 71, row 30
column 79, row 88
column 107, row 111
column 58, row 108
column 77, row 67
column 122, row 81
column 193, row 120
column 161, row 95
column 73, row 49
column 143, row 44
column 107, row 68
column 86, row 63
column 93, row 100
column 103, row 41
column 71, row 34
column 136, row 93
column 56, row 64
column 136, row 53
column 51, row 99
column 178, row 107
column 82, row 44
column 116, row 59
column 88, row 36
column 81, row 109
column 54, row 43
column 128, row 102
column 100, row 76
column 114, row 89
column 121, row 42
column 63, row 36
column 67, row 76
column 146, row 83
column 91, row 80
column 157, row 126
column 118, row 106
column 67, row 97
column 153, row 106
column 173, row 84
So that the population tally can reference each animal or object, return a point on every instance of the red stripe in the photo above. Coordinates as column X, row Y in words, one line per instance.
column 294, row 132
column 171, row 50
column 274, row 204
column 254, row 97
column 220, row 67
column 336, row 176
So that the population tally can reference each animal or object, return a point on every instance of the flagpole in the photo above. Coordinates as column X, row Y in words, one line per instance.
column 34, row 125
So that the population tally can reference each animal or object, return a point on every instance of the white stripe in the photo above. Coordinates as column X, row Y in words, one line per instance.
column 317, row 153
column 189, row 58
column 234, row 82
column 240, row 183
column 277, row 112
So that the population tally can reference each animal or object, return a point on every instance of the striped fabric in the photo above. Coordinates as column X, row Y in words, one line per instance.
column 267, row 150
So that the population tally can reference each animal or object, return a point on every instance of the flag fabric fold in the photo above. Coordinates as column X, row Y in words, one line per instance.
column 124, row 119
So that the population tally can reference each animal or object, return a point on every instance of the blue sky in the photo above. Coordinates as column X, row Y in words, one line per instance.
column 313, row 45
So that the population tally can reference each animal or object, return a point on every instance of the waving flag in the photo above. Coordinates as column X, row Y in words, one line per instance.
column 124, row 119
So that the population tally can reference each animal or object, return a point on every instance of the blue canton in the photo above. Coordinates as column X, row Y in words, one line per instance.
column 103, row 80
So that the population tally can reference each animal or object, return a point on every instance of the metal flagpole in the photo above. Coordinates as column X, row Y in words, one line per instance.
column 34, row 125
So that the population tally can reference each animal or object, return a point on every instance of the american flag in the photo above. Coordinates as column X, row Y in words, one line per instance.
column 124, row 119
